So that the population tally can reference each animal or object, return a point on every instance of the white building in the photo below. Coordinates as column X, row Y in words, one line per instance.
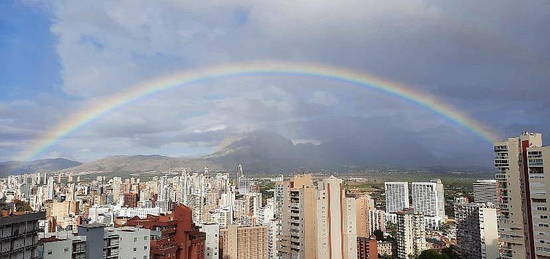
column 377, row 220
column 133, row 242
column 140, row 212
column 211, row 245
column 57, row 248
column 397, row 196
column 428, row 199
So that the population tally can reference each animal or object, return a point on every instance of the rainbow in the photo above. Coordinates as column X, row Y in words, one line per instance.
column 85, row 116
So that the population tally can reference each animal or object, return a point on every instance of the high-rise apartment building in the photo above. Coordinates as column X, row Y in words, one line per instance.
column 362, row 207
column 336, row 222
column 298, row 238
column 514, row 195
column 411, row 234
column 476, row 230
column 485, row 191
column 428, row 199
column 377, row 220
column 397, row 196
column 538, row 160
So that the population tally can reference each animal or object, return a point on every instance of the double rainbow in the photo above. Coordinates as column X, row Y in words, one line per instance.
column 85, row 116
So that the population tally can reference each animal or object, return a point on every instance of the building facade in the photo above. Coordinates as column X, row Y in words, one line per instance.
column 411, row 234
column 428, row 199
column 336, row 229
column 243, row 242
column 298, row 238
column 514, row 201
column 485, row 191
column 367, row 248
column 173, row 235
column 538, row 159
column 397, row 196
column 476, row 230
column 19, row 234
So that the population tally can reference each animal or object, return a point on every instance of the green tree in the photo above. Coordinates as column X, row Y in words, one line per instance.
column 379, row 235
column 451, row 252
column 432, row 254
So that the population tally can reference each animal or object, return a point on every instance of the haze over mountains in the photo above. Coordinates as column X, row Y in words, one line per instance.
column 260, row 152
column 16, row 167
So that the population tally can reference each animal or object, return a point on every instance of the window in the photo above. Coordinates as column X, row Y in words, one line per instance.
column 145, row 248
column 135, row 249
column 144, row 237
column 135, row 239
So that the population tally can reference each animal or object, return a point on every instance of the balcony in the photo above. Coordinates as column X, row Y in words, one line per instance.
column 535, row 162
column 501, row 163
column 502, row 148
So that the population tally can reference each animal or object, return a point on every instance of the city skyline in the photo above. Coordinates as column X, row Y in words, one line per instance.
column 57, row 63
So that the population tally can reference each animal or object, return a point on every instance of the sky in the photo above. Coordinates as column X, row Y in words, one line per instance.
column 488, row 59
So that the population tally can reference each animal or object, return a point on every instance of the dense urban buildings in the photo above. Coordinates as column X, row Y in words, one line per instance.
column 183, row 214
column 178, row 237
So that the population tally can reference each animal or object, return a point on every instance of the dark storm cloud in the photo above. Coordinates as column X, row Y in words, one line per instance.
column 490, row 59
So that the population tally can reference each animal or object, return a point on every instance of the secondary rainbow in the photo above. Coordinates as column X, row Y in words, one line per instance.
column 351, row 77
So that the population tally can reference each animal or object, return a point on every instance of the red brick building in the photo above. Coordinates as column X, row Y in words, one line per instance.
column 178, row 237
column 367, row 248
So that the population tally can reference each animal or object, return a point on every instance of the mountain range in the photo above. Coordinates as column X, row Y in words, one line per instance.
column 17, row 167
column 259, row 152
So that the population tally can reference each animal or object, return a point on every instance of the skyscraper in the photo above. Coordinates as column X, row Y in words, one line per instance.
column 411, row 234
column 514, row 196
column 397, row 196
column 428, row 199
column 298, row 237
column 362, row 208
column 50, row 188
column 538, row 160
column 336, row 223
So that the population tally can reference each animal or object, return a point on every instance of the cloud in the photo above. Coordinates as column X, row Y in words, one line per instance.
column 479, row 57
